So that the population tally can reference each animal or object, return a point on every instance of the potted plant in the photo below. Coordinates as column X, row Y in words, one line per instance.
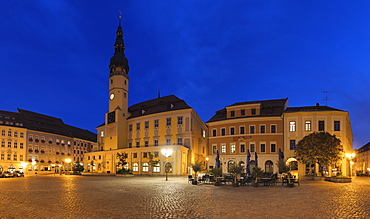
column 236, row 170
column 257, row 173
column 197, row 167
column 217, row 172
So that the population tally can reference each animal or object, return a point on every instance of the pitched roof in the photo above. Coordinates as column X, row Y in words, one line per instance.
column 364, row 148
column 158, row 105
column 310, row 108
column 268, row 108
column 43, row 123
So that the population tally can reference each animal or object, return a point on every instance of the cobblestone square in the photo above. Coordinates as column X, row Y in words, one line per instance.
column 69, row 196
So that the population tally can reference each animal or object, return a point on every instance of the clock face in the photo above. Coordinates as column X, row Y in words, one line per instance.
column 111, row 96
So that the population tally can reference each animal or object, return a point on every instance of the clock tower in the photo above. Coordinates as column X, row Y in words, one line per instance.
column 115, row 136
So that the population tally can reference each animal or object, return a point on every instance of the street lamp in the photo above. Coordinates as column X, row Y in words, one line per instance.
column 166, row 153
column 350, row 156
column 207, row 163
column 68, row 160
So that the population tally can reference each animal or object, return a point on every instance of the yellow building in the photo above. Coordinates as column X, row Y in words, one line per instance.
column 256, row 126
column 147, row 127
column 35, row 142
column 302, row 121
column 362, row 166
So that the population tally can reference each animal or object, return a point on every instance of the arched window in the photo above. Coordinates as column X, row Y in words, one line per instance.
column 145, row 167
column 269, row 166
column 230, row 164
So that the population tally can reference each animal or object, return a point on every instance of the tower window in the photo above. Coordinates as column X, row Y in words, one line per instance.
column 111, row 81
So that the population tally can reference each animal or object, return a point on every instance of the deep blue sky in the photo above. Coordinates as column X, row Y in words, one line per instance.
column 54, row 55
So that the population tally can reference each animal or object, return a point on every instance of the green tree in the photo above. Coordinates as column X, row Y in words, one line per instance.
column 121, row 164
column 283, row 167
column 319, row 147
column 197, row 167
column 152, row 162
column 78, row 168
column 236, row 170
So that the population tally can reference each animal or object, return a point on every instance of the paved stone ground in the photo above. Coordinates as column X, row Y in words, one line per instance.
column 70, row 196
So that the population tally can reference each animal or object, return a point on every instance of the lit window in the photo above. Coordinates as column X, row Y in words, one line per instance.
column 214, row 149
column 157, row 168
column 135, row 167
column 307, row 126
column 292, row 126
column 145, row 167
column 223, row 149
column 232, row 149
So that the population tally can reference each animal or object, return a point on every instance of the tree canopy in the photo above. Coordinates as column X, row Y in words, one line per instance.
column 319, row 147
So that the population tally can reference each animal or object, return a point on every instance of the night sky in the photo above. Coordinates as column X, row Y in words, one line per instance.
column 54, row 55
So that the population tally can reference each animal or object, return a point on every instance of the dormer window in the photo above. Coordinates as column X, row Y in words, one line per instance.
column 253, row 112
column 232, row 113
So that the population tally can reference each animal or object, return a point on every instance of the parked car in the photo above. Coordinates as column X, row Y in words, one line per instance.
column 19, row 174
column 8, row 174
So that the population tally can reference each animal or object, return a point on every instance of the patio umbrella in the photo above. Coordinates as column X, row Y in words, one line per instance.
column 281, row 155
column 217, row 159
column 248, row 162
column 256, row 159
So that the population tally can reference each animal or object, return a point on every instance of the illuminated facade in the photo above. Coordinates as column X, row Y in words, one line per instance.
column 256, row 126
column 302, row 121
column 37, row 142
column 363, row 160
column 147, row 127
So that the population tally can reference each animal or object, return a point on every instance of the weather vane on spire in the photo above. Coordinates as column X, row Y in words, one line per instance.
column 119, row 17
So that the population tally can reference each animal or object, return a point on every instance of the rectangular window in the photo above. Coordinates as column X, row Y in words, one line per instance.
column 223, row 132
column 168, row 141
column 16, row 134
column 15, row 157
column 179, row 141
column 21, row 157
column 9, row 144
column 15, row 144
column 179, row 120
column 214, row 149
column 2, row 143
column 223, row 149
column 336, row 126
column 292, row 126
column 134, row 155
column 273, row 148
column 129, row 145
column 253, row 111
column 138, row 144
column 135, row 167
column 252, row 148
column 157, row 169
column 146, row 143
column 2, row 157
column 146, row 124
column 232, row 149
column 242, row 148
column 232, row 113
column 137, row 126
column 156, row 154
column 242, row 112
column 307, row 126
column 273, row 128
column 321, row 126
column 155, row 142
column 214, row 132
column 262, row 129
column 168, row 121
column 241, row 130
column 145, row 155
column 251, row 129
column 156, row 123
column 232, row 131
column 9, row 157
column 263, row 148
column 292, row 145
column 21, row 135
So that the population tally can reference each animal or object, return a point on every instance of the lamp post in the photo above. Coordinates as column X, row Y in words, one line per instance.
column 350, row 156
column 68, row 160
column 166, row 153
column 207, row 163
